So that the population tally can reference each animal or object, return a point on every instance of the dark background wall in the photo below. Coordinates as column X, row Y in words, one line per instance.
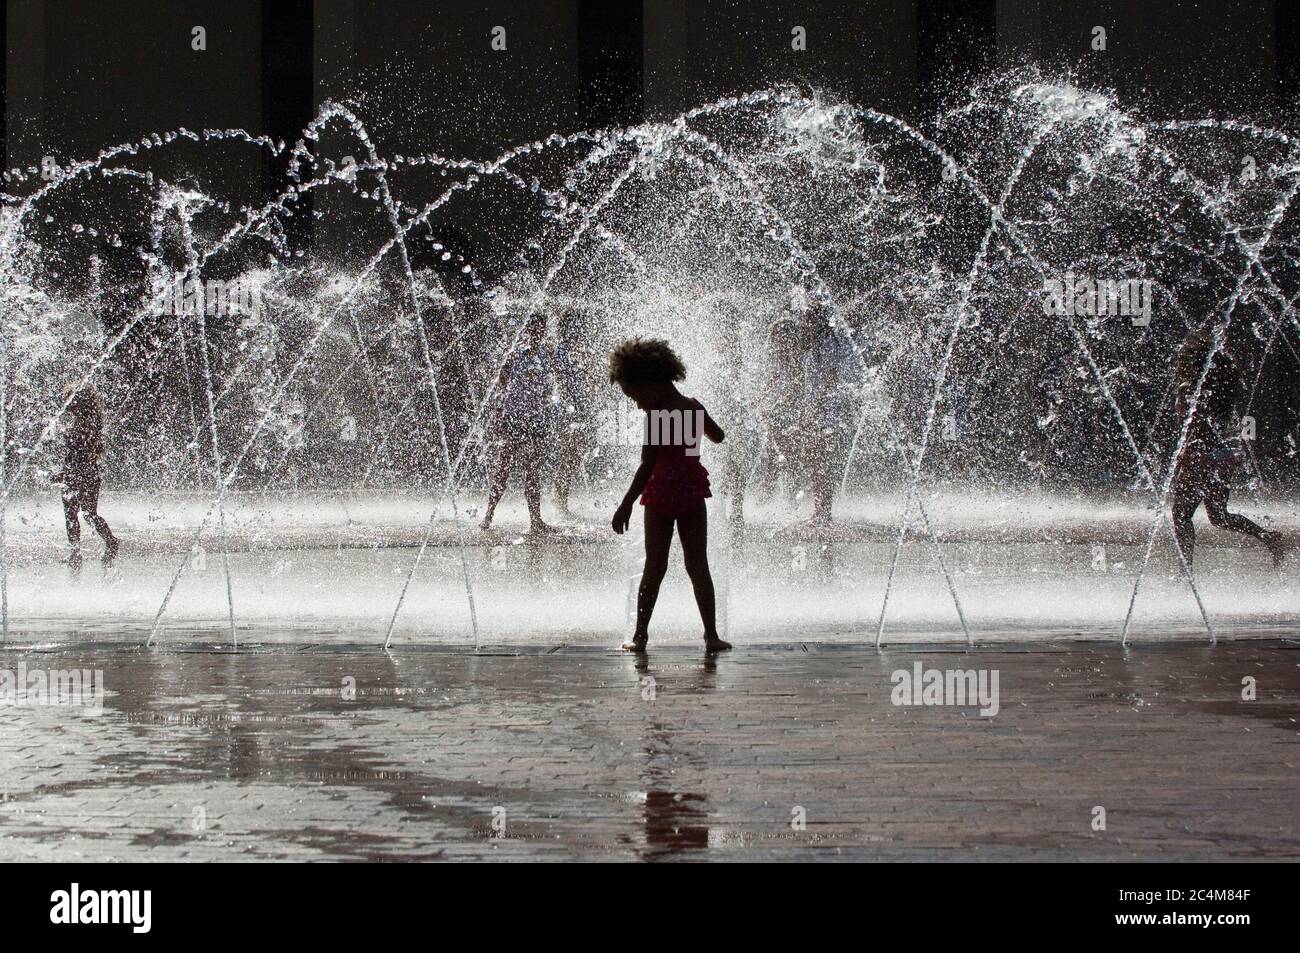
column 1179, row 57
column 81, row 74
column 700, row 50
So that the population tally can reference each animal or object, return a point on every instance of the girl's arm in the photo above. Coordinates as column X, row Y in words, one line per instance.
column 711, row 428
column 623, row 515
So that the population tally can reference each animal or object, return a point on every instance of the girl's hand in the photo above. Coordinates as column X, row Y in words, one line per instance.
column 622, row 516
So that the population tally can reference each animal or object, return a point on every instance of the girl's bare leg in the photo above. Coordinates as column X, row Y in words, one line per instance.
column 823, row 479
column 89, row 501
column 1186, row 500
column 533, row 493
column 563, row 481
column 658, row 542
column 566, row 466
column 105, row 533
column 500, row 477
column 72, row 507
column 1216, row 507
column 693, row 528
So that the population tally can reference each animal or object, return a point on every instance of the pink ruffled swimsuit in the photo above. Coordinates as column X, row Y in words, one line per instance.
column 678, row 483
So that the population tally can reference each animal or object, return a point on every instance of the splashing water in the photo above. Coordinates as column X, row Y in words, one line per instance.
column 314, row 399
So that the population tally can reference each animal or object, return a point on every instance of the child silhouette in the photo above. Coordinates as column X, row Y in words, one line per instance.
column 1212, row 450
column 83, row 451
column 671, row 481
column 525, row 421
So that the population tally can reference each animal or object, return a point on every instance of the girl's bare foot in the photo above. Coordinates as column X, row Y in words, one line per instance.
column 714, row 644
column 637, row 644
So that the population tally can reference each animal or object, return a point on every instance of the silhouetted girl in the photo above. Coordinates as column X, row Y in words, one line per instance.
column 526, row 420
column 1211, row 452
column 83, row 451
column 671, row 481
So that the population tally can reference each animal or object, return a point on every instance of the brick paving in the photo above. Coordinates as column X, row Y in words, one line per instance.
column 581, row 753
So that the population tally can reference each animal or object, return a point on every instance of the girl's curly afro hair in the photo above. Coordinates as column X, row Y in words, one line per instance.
column 645, row 361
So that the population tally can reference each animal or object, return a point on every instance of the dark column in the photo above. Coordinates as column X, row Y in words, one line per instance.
column 956, row 44
column 610, row 62
column 1288, row 54
column 24, row 85
column 287, row 103
column 4, row 100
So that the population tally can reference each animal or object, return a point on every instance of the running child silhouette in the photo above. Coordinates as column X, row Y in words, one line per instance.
column 83, row 451
column 1212, row 451
column 671, row 481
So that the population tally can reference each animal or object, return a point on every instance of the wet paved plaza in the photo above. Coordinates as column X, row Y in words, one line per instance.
column 771, row 752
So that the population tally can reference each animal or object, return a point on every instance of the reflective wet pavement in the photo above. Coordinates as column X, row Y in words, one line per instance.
column 776, row 752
